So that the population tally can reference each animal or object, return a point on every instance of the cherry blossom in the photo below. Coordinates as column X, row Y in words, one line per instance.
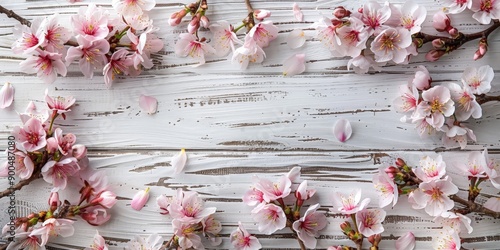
column 294, row 65
column 64, row 143
column 492, row 170
column 24, row 165
column 386, row 188
column 242, row 240
column 270, row 218
column 153, row 242
column 118, row 64
column 369, row 221
column 374, row 16
column 60, row 104
column 211, row 228
column 105, row 199
column 95, row 215
column 249, row 52
column 30, row 38
column 31, row 136
column 474, row 166
column 6, row 95
column 441, row 22
column 327, row 34
column 478, row 79
column 422, row 79
column 430, row 169
column 46, row 64
column 297, row 13
column 31, row 112
column 91, row 55
column 178, row 161
column 303, row 193
column 362, row 63
column 263, row 33
column 191, row 209
column 57, row 173
column 409, row 16
column 91, row 23
column 436, row 105
column 273, row 191
column 307, row 227
column 493, row 203
column 132, row 7
column 55, row 34
column 433, row 196
column 342, row 130
column 148, row 104
column 485, row 10
column 348, row 204
column 408, row 98
column 406, row 242
column 353, row 36
column 391, row 44
column 224, row 38
column 53, row 227
column 253, row 197
column 455, row 221
column 140, row 199
column 456, row 6
column 467, row 105
column 187, row 237
column 296, row 38
column 189, row 45
column 165, row 202
column 446, row 240
column 23, row 240
column 98, row 243
column 456, row 134
column 261, row 14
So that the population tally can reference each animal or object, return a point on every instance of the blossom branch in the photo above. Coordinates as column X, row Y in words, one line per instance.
column 19, row 185
column 481, row 99
column 12, row 14
column 471, row 206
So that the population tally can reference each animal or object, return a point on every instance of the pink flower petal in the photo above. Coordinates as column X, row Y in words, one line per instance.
column 6, row 95
column 342, row 130
column 406, row 242
column 148, row 103
column 294, row 65
column 296, row 39
column 140, row 199
column 297, row 13
column 179, row 161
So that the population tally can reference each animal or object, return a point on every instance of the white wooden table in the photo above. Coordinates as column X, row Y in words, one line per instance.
column 235, row 124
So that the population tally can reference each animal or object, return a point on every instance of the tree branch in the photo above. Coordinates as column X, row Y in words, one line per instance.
column 473, row 207
column 486, row 98
column 20, row 184
column 12, row 14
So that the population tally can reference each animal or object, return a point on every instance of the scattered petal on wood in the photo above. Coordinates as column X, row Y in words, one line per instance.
column 342, row 130
column 296, row 39
column 6, row 95
column 297, row 12
column 179, row 161
column 294, row 65
column 148, row 103
column 140, row 199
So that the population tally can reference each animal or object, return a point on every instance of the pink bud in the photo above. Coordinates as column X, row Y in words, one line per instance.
column 441, row 21
column 140, row 199
column 54, row 201
column 52, row 145
column 434, row 55
column 261, row 14
column 106, row 199
column 453, row 32
column 341, row 12
column 400, row 162
column 438, row 43
column 79, row 151
column 204, row 22
column 194, row 25
column 176, row 17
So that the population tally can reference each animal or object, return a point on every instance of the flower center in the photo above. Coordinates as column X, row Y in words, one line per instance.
column 486, row 5
column 436, row 106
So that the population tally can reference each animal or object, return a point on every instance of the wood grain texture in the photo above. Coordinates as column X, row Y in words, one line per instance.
column 235, row 124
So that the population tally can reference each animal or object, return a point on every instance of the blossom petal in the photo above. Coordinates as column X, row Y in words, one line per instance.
column 294, row 65
column 179, row 161
column 6, row 95
column 140, row 199
column 148, row 103
column 406, row 242
column 297, row 13
column 296, row 39
column 342, row 130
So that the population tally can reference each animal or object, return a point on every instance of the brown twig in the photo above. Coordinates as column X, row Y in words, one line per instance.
column 486, row 98
column 12, row 14
column 249, row 6
column 20, row 184
column 473, row 207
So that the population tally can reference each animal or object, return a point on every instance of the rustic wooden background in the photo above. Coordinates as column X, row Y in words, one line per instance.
column 235, row 124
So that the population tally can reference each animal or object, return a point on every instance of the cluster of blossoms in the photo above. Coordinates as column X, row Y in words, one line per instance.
column 272, row 213
column 116, row 44
column 224, row 38
column 446, row 107
column 190, row 219
column 42, row 150
column 428, row 187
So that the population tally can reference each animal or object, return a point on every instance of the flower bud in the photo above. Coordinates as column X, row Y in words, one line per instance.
column 79, row 151
column 346, row 227
column 434, row 55
column 400, row 162
column 204, row 22
column 261, row 14
column 106, row 199
column 194, row 25
column 176, row 17
column 52, row 145
column 481, row 51
column 438, row 43
column 391, row 171
column 341, row 12
column 54, row 201
column 441, row 21
column 453, row 32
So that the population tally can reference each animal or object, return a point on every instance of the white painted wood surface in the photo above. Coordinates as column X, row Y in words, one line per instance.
column 237, row 123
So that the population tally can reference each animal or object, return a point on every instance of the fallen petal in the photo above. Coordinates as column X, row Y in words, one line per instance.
column 140, row 199
column 294, row 65
column 148, row 103
column 342, row 130
column 406, row 242
column 297, row 13
column 296, row 39
column 6, row 95
column 179, row 161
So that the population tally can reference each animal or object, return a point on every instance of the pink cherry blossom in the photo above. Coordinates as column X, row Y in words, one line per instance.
column 369, row 221
column 456, row 6
column 353, row 36
column 422, row 79
column 391, row 44
column 294, row 174
column 406, row 242
column 224, row 38
column 118, row 64
column 455, row 221
column 327, row 34
column 165, row 202
column 64, row 143
column 296, row 38
column 24, row 165
column 92, row 183
column 456, row 134
column 348, row 204
column 189, row 45
column 297, row 13
column 478, row 79
column 253, row 197
column 409, row 16
column 263, row 33
column 98, row 243
column 492, row 170
column 59, row 104
column 46, row 64
column 441, row 22
column 446, row 240
column 386, row 188
column 6, row 95
column 294, row 65
column 467, row 105
column 55, row 34
column 436, row 105
column 430, row 169
column 30, row 38
column 191, row 209
column 211, row 229
column 91, row 55
column 31, row 136
column 493, row 204
column 242, row 240
column 374, row 16
column 152, row 242
column 105, row 199
column 53, row 227
column 485, row 10
column 149, row 104
column 303, row 193
column 95, row 215
column 408, row 98
column 31, row 112
column 474, row 166
column 433, row 196
column 270, row 218
column 261, row 14
column 178, row 161
column 342, row 130
column 188, row 239
column 132, row 7
column 273, row 190
column 57, row 173
column 23, row 240
column 362, row 63
column 250, row 52
column 140, row 199
column 308, row 226
column 91, row 23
